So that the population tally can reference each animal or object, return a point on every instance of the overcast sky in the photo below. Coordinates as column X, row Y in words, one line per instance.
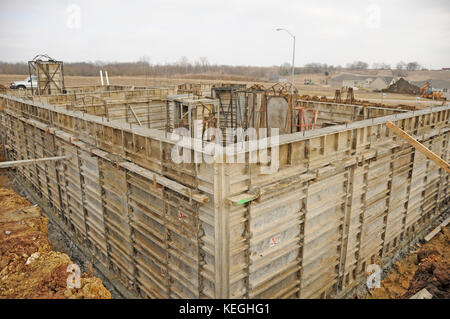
column 240, row 32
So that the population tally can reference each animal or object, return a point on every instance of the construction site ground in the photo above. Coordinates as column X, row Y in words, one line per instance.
column 34, row 255
column 312, row 90
column 426, row 266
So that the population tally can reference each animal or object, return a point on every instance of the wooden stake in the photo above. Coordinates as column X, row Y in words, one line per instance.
column 419, row 146
column 30, row 161
column 135, row 116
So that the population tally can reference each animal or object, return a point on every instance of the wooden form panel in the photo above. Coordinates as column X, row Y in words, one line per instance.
column 434, row 174
column 337, row 113
column 96, row 88
column 31, row 153
column 275, row 243
column 85, row 98
column 353, row 224
column 201, row 89
column 375, row 200
column 147, row 208
column 401, row 172
column 150, row 112
column 207, row 236
column 444, row 186
column 117, row 219
column 94, row 212
column 73, row 189
column 182, row 246
column 324, row 216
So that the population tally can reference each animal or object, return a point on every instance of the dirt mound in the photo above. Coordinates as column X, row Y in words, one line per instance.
column 9, row 200
column 397, row 282
column 427, row 267
column 402, row 86
column 29, row 268
column 433, row 274
column 426, row 252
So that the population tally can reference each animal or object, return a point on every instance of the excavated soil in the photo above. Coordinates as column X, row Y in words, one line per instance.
column 29, row 268
column 427, row 267
column 402, row 86
column 432, row 274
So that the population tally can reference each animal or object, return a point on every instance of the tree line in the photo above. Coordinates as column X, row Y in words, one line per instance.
column 184, row 66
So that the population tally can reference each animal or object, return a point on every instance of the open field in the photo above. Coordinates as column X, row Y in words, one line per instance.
column 5, row 79
column 311, row 90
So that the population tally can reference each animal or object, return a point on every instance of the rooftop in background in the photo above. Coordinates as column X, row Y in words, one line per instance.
column 435, row 83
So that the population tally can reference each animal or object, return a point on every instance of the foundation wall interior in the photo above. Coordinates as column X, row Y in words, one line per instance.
column 346, row 194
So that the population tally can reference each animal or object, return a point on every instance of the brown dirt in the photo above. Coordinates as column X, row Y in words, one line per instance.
column 402, row 86
column 427, row 267
column 432, row 274
column 29, row 268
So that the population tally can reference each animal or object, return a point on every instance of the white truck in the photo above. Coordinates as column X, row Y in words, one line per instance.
column 25, row 84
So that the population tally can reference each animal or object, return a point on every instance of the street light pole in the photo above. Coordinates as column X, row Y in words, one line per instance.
column 293, row 67
column 293, row 59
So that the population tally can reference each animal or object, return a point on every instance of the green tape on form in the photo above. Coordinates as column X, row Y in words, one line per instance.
column 243, row 201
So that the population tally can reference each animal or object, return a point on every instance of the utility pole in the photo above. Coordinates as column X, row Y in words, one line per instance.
column 293, row 59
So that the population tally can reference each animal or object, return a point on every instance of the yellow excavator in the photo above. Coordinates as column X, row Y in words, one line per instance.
column 426, row 91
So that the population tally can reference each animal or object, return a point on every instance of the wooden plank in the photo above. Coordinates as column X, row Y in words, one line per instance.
column 435, row 231
column 419, row 146
column 31, row 161
column 422, row 294
column 445, row 222
column 135, row 116
column 2, row 107
column 186, row 191
column 244, row 198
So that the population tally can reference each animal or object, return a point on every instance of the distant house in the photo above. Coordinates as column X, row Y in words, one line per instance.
column 360, row 81
column 349, row 80
column 381, row 82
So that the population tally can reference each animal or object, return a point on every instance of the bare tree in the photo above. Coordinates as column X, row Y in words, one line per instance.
column 381, row 66
column 204, row 63
column 401, row 65
column 358, row 65
column 285, row 69
column 145, row 59
column 413, row 66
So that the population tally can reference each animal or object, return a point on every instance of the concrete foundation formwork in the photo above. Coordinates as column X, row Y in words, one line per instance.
column 342, row 197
